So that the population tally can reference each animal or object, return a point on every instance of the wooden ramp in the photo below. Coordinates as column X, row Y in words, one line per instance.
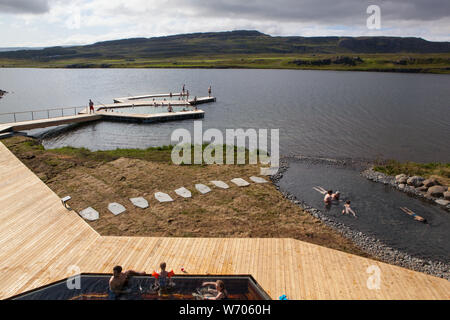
column 42, row 242
column 43, row 123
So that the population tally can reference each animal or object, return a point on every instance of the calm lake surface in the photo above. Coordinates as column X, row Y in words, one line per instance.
column 319, row 113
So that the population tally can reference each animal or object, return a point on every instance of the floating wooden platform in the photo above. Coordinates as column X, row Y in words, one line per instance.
column 42, row 242
column 148, row 96
column 152, row 117
column 202, row 100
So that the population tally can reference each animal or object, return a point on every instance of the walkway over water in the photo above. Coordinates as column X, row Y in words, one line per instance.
column 102, row 113
column 42, row 241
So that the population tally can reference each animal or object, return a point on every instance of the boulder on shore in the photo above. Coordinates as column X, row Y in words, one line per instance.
column 422, row 189
column 442, row 202
column 430, row 182
column 415, row 181
column 436, row 191
column 447, row 195
column 401, row 178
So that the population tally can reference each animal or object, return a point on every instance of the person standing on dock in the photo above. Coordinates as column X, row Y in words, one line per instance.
column 91, row 106
column 209, row 91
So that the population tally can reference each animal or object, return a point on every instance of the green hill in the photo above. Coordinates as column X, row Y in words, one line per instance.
column 238, row 49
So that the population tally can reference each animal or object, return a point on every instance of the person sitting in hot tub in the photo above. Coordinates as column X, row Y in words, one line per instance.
column 120, row 279
column 163, row 278
column 220, row 291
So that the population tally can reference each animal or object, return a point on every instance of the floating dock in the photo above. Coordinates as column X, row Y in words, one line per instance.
column 153, row 117
column 42, row 242
column 103, row 112
column 192, row 101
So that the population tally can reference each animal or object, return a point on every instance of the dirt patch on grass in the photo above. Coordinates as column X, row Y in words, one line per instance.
column 258, row 210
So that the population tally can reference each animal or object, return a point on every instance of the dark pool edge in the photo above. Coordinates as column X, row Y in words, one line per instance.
column 368, row 244
column 385, row 179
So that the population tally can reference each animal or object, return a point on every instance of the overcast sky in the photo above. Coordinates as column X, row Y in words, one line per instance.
column 65, row 22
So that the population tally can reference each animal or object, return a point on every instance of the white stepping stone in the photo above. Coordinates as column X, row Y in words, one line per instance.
column 163, row 197
column 240, row 182
column 116, row 208
column 258, row 179
column 140, row 202
column 220, row 184
column 89, row 214
column 202, row 188
column 183, row 192
column 268, row 171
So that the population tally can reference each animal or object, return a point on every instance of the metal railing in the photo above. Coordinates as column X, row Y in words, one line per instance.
column 48, row 113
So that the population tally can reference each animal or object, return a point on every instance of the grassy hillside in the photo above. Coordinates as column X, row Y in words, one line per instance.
column 245, row 49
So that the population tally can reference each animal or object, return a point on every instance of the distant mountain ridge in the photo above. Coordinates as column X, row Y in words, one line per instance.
column 230, row 42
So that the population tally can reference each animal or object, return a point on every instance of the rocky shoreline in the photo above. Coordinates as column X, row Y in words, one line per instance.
column 368, row 244
column 2, row 93
column 427, row 189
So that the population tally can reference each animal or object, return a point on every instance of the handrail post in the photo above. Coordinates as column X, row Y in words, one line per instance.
column 48, row 114
column 32, row 115
column 15, row 117
column 62, row 112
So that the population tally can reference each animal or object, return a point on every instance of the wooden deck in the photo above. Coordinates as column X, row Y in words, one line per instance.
column 148, row 96
column 40, row 240
column 100, row 114
column 152, row 117
column 43, row 123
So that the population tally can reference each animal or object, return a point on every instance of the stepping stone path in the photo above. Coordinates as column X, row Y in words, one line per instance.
column 202, row 188
column 116, row 208
column 140, row 202
column 258, row 179
column 163, row 197
column 268, row 171
column 220, row 184
column 240, row 182
column 183, row 192
column 89, row 214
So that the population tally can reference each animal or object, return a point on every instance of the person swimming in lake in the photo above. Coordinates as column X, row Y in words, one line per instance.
column 219, row 291
column 348, row 209
column 329, row 195
column 119, row 279
column 335, row 196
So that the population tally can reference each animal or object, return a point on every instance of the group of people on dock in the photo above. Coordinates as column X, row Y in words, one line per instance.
column 163, row 280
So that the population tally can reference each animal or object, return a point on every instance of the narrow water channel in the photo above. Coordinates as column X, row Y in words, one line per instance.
column 376, row 206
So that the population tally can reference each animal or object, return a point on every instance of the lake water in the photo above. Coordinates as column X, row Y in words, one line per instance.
column 319, row 113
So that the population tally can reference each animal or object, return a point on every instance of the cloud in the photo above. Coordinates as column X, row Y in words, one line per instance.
column 24, row 6
column 88, row 21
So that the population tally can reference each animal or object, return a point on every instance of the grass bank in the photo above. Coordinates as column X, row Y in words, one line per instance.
column 410, row 63
column 98, row 178
column 440, row 171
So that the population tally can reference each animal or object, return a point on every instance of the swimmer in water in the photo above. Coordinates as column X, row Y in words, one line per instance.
column 413, row 214
column 347, row 209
